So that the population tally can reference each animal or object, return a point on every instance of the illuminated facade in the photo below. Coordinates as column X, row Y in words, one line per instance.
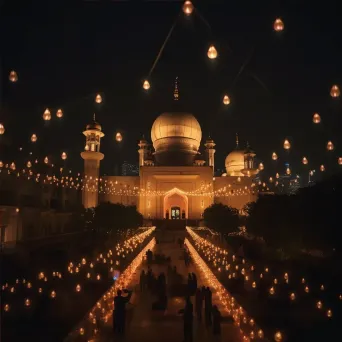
column 174, row 182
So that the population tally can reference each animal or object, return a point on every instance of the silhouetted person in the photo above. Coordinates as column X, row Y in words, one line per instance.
column 119, row 316
column 149, row 256
column 143, row 280
column 208, row 306
column 216, row 321
column 199, row 304
column 188, row 318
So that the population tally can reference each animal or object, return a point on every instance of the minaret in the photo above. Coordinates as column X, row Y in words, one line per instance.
column 237, row 141
column 92, row 157
column 143, row 151
column 210, row 151
column 249, row 169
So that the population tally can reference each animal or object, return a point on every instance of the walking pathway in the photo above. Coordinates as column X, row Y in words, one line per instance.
column 145, row 325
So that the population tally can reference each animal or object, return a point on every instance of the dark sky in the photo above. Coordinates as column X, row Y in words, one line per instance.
column 65, row 54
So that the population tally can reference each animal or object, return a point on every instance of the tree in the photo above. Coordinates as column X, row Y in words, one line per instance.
column 221, row 218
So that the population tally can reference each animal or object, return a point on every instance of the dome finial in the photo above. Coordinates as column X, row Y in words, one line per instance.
column 176, row 92
column 237, row 140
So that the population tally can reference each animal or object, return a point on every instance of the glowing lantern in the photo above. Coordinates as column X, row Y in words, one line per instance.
column 59, row 113
column 272, row 291
column 254, row 284
column 322, row 168
column 98, row 98
column 306, row 289
column 40, row 290
column 319, row 305
column 292, row 296
column 322, row 287
column 34, row 138
column 339, row 160
column 278, row 337
column 12, row 166
column 6, row 308
column 2, row 129
column 29, row 164
column 47, row 115
column 212, row 52
column 84, row 261
column 188, row 8
column 1, row 164
column 274, row 156
column 288, row 171
column 118, row 137
column 261, row 166
column 46, row 160
column 98, row 277
column 305, row 161
column 330, row 146
column 226, row 100
column 335, row 91
column 260, row 334
column 64, row 156
column 13, row 77
column 329, row 313
column 146, row 85
column 53, row 294
column 78, row 288
column 278, row 25
column 316, row 118
column 287, row 144
column 27, row 302
column 277, row 175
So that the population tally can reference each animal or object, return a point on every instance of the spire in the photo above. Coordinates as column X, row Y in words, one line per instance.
column 94, row 117
column 237, row 141
column 176, row 92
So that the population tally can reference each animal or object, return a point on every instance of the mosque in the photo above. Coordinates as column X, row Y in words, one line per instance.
column 175, row 181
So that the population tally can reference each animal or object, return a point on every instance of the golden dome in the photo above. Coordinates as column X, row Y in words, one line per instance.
column 235, row 162
column 177, row 134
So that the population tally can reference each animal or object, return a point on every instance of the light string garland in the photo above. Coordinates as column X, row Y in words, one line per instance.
column 99, row 315
column 221, row 261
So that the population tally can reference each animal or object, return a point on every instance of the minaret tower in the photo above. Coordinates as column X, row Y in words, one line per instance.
column 237, row 141
column 249, row 169
column 92, row 157
column 143, row 151
column 210, row 151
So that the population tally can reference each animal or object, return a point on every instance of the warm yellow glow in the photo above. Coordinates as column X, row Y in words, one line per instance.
column 339, row 160
column 288, row 171
column 46, row 160
column 319, row 305
column 322, row 168
column 306, row 289
column 98, row 98
column 47, row 115
column 272, row 291
column 226, row 100
column 59, row 113
column 287, row 144
column 27, row 302
column 2, row 129
column 118, row 137
column 274, row 156
column 292, row 296
column 278, row 337
column 34, row 138
column 6, row 307
column 17, row 210
column 146, row 85
column 64, row 156
column 188, row 8
column 305, row 161
column 322, row 287
column 335, row 91
column 329, row 313
column 330, row 146
column 13, row 77
column 212, row 52
column 316, row 118
column 78, row 288
column 278, row 25
column 53, row 294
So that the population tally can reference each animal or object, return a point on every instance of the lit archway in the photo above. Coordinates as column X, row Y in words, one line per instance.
column 175, row 200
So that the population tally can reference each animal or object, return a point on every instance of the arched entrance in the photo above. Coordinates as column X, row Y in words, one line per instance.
column 175, row 205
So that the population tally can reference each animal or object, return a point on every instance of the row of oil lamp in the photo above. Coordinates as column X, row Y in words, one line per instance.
column 122, row 250
column 247, row 325
column 100, row 314
column 218, row 257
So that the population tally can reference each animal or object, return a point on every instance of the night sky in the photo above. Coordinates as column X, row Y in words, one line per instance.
column 65, row 54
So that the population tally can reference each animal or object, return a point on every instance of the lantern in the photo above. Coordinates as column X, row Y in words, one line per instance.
column 188, row 8
column 2, row 129
column 13, row 77
column 34, row 138
column 146, row 85
column 278, row 25
column 226, row 100
column 212, row 52
column 305, row 161
column 274, row 156
column 27, row 302
column 29, row 164
column 319, row 305
column 272, row 291
column 59, row 113
column 277, row 175
column 316, row 118
column 287, row 144
column 335, row 91
column 53, row 294
column 306, row 289
column 330, row 146
column 339, row 160
column 47, row 115
column 78, row 288
column 98, row 98
column 292, row 296
column 46, row 160
column 278, row 337
column 261, row 166
column 329, row 313
column 84, row 261
column 12, row 166
column 322, row 168
column 260, row 334
column 288, row 171
column 64, row 156
column 118, row 137
column 6, row 307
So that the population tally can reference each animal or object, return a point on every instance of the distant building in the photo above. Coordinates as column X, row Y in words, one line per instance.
column 128, row 169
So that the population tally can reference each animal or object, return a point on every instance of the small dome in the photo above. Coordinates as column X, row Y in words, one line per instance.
column 235, row 162
column 94, row 125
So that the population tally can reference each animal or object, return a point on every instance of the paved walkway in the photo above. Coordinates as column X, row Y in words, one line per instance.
column 145, row 325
